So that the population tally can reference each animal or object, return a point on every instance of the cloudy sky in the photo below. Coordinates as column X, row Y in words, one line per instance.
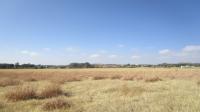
column 99, row 31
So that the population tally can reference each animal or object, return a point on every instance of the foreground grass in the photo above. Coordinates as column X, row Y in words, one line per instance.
column 152, row 94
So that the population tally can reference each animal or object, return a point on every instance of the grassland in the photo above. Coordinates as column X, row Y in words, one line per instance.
column 100, row 90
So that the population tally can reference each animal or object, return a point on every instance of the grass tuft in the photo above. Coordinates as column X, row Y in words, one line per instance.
column 19, row 93
column 50, row 90
column 153, row 79
column 56, row 103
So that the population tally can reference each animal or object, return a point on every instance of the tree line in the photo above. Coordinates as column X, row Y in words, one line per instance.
column 88, row 65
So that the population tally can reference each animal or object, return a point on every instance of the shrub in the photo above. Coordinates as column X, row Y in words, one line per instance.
column 8, row 82
column 20, row 93
column 50, row 90
column 56, row 103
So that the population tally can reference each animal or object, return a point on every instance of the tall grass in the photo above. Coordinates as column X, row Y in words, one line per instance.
column 126, row 90
column 56, row 103
column 18, row 93
column 50, row 90
column 70, row 75
column 9, row 82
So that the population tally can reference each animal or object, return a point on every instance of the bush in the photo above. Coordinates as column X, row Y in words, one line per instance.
column 50, row 90
column 56, row 103
column 21, row 93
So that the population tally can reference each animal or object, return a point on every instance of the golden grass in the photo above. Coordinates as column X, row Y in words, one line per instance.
column 113, row 90
column 21, row 93
column 125, row 90
column 98, row 77
column 70, row 75
column 9, row 82
column 198, row 82
column 50, row 90
column 128, row 77
column 153, row 79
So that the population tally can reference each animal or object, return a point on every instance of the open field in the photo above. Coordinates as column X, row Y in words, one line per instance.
column 100, row 90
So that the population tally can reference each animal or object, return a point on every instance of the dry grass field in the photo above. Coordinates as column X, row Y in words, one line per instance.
column 100, row 90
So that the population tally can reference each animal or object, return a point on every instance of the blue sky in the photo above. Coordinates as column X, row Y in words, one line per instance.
column 99, row 31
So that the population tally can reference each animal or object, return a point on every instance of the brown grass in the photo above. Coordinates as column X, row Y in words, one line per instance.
column 8, row 82
column 20, row 93
column 58, row 80
column 30, row 79
column 98, row 77
column 198, row 82
column 153, row 79
column 127, row 78
column 50, row 90
column 115, row 77
column 70, row 75
column 2, row 105
column 72, row 79
column 56, row 103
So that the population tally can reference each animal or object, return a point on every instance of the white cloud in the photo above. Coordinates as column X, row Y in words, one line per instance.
column 94, row 56
column 135, row 57
column 191, row 48
column 166, row 52
column 29, row 53
column 189, row 53
column 113, row 56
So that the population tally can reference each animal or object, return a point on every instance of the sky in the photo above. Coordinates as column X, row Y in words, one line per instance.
column 59, row 32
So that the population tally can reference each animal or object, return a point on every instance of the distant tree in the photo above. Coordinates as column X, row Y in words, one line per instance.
column 80, row 65
column 16, row 65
